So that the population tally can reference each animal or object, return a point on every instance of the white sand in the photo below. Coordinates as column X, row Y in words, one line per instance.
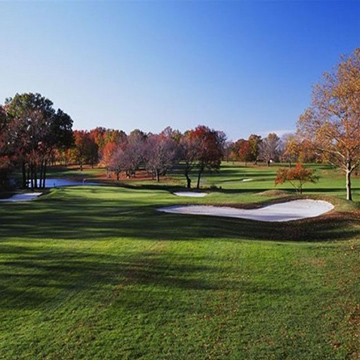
column 190, row 194
column 288, row 211
column 22, row 197
column 247, row 180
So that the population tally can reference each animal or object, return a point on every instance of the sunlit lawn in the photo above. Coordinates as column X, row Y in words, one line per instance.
column 98, row 273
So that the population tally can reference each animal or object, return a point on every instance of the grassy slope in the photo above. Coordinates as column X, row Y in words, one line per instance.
column 97, row 273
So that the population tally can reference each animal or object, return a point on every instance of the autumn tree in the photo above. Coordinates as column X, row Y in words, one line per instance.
column 6, row 153
column 119, row 137
column 234, row 150
column 245, row 152
column 188, row 146
column 102, row 137
column 127, row 160
column 161, row 154
column 135, row 151
column 332, row 122
column 97, row 135
column 291, row 148
column 36, row 130
column 228, row 150
column 297, row 176
column 209, row 149
column 255, row 141
column 107, row 153
column 130, row 155
column 172, row 134
column 269, row 148
column 118, row 162
column 307, row 153
column 201, row 148
column 86, row 149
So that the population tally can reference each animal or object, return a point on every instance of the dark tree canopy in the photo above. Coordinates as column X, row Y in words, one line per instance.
column 35, row 129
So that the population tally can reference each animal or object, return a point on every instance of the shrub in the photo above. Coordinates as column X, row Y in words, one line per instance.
column 297, row 177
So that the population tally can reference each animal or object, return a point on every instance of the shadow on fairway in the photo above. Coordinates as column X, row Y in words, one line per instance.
column 95, row 219
column 37, row 276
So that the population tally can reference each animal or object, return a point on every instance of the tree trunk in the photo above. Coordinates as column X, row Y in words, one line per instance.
column 81, row 166
column 35, row 177
column 157, row 174
column 44, row 174
column 31, row 175
column 348, row 181
column 188, row 180
column 28, row 176
column 41, row 174
column 24, row 185
column 198, row 180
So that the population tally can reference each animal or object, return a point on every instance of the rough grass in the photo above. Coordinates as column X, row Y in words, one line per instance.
column 98, row 273
column 275, row 193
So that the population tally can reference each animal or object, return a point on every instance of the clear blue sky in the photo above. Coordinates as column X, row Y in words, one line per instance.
column 239, row 66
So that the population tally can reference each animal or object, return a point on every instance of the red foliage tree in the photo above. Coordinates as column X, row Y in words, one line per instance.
column 202, row 148
column 296, row 176
column 245, row 152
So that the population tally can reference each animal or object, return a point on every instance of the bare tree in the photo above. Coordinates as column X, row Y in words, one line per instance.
column 162, row 153
column 269, row 148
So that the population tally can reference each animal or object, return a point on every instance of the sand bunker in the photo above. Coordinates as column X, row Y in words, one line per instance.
column 288, row 211
column 247, row 180
column 190, row 194
column 22, row 197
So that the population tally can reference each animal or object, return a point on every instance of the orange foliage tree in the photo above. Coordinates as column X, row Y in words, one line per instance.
column 245, row 151
column 332, row 122
column 296, row 176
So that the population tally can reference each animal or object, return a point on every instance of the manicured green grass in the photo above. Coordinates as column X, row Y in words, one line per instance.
column 98, row 273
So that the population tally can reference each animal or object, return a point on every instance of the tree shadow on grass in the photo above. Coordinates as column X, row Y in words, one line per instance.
column 34, row 278
column 31, row 277
column 81, row 218
column 240, row 190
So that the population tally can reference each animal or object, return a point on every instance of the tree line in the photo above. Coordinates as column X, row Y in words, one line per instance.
column 288, row 149
column 33, row 134
column 194, row 150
